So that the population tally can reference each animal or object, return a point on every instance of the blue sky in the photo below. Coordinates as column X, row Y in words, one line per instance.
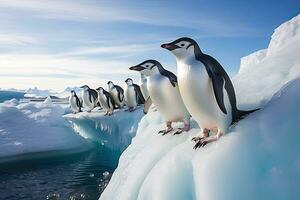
column 58, row 43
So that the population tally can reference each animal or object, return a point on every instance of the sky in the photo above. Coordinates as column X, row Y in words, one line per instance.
column 53, row 44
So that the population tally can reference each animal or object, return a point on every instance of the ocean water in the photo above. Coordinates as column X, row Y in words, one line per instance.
column 80, row 176
column 7, row 95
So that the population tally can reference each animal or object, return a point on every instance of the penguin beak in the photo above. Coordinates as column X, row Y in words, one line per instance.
column 137, row 68
column 169, row 46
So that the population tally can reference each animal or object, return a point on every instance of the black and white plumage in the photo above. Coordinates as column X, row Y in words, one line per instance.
column 206, row 89
column 74, row 102
column 164, row 93
column 89, row 98
column 117, row 93
column 106, row 101
column 132, row 95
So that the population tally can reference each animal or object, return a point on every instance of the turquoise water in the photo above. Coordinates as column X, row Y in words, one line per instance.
column 80, row 176
column 7, row 95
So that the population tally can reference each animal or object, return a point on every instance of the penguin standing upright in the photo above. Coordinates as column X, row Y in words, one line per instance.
column 106, row 101
column 117, row 93
column 75, row 103
column 132, row 95
column 164, row 92
column 89, row 98
column 206, row 90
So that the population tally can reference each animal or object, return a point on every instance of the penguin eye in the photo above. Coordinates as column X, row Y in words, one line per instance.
column 182, row 45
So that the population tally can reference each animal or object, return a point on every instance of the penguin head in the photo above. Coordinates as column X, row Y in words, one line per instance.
column 110, row 84
column 85, row 87
column 147, row 67
column 73, row 93
column 129, row 81
column 183, row 48
column 100, row 90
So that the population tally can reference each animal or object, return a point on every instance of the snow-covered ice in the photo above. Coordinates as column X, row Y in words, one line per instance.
column 39, row 93
column 258, row 159
column 115, row 131
column 35, row 127
column 264, row 72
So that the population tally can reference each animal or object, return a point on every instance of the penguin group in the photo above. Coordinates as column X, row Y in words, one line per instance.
column 202, row 90
column 115, row 97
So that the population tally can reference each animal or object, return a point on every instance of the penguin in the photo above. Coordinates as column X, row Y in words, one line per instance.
column 106, row 101
column 89, row 97
column 117, row 93
column 132, row 95
column 75, row 103
column 206, row 90
column 164, row 92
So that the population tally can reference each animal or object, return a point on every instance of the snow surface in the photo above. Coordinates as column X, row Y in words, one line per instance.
column 115, row 131
column 264, row 72
column 35, row 127
column 258, row 159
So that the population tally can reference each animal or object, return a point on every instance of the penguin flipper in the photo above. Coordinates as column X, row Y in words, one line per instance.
column 140, row 97
column 147, row 105
column 218, row 85
column 93, row 95
column 78, row 102
column 120, row 93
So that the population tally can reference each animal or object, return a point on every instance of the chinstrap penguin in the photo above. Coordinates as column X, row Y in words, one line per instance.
column 89, row 97
column 75, row 103
column 106, row 101
column 206, row 90
column 164, row 92
column 132, row 95
column 117, row 93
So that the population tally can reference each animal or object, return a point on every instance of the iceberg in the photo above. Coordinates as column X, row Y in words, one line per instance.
column 29, row 129
column 114, row 132
column 264, row 72
column 257, row 159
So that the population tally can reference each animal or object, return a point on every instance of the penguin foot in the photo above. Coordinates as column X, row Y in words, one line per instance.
column 179, row 131
column 204, row 141
column 184, row 129
column 165, row 131
column 195, row 139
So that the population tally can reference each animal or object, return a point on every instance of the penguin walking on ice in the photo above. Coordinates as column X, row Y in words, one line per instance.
column 206, row 90
column 164, row 92
column 89, row 98
column 132, row 95
column 106, row 101
column 117, row 93
column 75, row 103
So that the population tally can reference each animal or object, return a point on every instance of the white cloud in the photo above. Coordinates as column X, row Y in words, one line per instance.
column 127, row 49
column 13, row 39
column 150, row 13
column 57, row 72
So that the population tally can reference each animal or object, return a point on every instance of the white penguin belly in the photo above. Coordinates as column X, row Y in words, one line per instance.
column 86, row 101
column 73, row 104
column 114, row 94
column 197, row 92
column 103, row 102
column 130, row 96
column 167, row 99
column 144, row 90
